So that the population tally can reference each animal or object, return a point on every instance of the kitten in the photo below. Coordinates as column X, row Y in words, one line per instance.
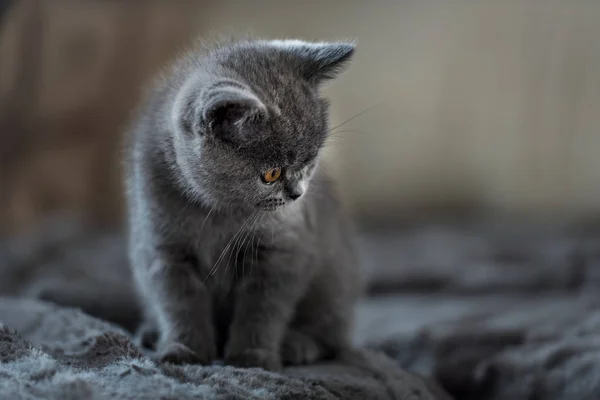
column 238, row 245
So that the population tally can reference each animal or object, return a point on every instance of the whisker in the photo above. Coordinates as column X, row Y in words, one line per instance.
column 343, row 162
column 252, row 249
column 207, row 215
column 233, row 250
column 344, row 131
column 336, row 137
column 320, row 169
column 355, row 116
column 215, row 267
column 249, row 236
column 236, row 247
column 244, row 259
column 255, row 253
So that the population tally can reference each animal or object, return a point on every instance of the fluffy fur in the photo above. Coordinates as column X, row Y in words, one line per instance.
column 227, row 264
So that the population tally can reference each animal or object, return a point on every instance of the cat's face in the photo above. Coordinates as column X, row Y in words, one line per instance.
column 255, row 143
column 264, row 179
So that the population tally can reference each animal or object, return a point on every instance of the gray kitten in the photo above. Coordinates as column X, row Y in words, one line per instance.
column 237, row 243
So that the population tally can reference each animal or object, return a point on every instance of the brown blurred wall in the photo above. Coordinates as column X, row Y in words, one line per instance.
column 493, row 104
column 70, row 72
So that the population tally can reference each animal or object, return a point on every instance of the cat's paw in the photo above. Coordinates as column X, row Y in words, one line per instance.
column 298, row 349
column 147, row 336
column 254, row 358
column 178, row 353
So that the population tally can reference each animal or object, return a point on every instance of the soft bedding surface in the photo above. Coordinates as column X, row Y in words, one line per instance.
column 485, row 310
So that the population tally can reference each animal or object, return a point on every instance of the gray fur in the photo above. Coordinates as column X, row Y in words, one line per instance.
column 226, row 264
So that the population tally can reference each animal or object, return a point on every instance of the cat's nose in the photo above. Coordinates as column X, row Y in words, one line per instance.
column 295, row 194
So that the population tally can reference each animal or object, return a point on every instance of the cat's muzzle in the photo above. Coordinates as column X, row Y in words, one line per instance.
column 271, row 204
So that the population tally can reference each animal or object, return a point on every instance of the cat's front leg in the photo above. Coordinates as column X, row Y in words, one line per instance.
column 183, row 308
column 265, row 303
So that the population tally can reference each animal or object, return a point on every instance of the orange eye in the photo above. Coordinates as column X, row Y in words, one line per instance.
column 272, row 175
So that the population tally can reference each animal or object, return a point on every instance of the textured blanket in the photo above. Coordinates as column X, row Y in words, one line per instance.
column 489, row 311
column 510, row 310
column 49, row 351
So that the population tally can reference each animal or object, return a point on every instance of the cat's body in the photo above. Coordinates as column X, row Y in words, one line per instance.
column 229, row 264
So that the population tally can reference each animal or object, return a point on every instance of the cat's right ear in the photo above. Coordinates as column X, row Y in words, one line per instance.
column 218, row 112
column 226, row 110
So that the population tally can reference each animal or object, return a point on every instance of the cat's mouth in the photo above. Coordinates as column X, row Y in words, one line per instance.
column 271, row 204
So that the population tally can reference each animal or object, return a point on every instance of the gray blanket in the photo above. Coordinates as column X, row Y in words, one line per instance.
column 510, row 310
column 488, row 310
column 51, row 351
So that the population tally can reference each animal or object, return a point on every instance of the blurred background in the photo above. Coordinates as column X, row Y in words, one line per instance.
column 468, row 153
column 485, row 105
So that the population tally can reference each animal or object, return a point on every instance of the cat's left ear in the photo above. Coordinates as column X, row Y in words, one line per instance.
column 319, row 62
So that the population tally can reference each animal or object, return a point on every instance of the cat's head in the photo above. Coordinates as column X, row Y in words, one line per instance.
column 249, row 124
